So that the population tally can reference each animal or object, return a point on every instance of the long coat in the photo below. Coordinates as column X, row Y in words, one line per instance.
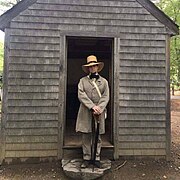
column 88, row 96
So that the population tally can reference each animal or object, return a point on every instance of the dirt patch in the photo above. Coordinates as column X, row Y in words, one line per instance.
column 124, row 170
column 42, row 171
column 175, row 105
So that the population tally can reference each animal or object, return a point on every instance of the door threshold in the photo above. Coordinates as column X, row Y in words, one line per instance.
column 79, row 147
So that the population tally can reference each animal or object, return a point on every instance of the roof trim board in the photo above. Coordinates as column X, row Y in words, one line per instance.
column 160, row 15
column 13, row 12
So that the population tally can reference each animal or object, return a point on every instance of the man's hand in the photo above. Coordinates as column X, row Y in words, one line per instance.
column 97, row 110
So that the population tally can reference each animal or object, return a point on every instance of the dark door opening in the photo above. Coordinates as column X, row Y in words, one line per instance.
column 78, row 48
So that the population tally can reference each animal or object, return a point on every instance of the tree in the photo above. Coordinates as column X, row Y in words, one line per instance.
column 1, row 55
column 9, row 3
column 1, row 61
column 172, row 9
column 6, row 4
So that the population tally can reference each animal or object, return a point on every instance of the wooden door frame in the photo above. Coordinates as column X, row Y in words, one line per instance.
column 63, row 83
column 168, row 101
column 115, row 96
column 62, row 94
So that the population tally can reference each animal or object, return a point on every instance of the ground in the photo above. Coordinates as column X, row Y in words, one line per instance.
column 123, row 170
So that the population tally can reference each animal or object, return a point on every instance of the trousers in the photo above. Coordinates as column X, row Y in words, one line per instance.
column 87, row 144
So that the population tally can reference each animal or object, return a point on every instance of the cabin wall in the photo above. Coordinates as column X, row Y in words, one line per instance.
column 31, row 125
column 142, row 96
column 34, row 79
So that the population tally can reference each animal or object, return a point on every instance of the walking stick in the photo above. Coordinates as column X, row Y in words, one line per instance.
column 96, row 129
column 96, row 132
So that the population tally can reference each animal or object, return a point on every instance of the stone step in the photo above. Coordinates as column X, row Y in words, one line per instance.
column 72, row 168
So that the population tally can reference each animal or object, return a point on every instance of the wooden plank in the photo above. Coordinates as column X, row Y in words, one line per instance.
column 39, row 89
column 62, row 94
column 93, row 3
column 142, row 36
column 142, row 138
column 84, row 20
column 142, row 145
column 33, row 95
column 141, row 97
column 32, row 117
column 142, row 76
column 127, row 152
column 34, row 53
column 25, row 26
column 142, row 90
column 34, row 82
column 37, row 110
column 33, row 103
column 34, row 60
column 142, row 131
column 141, row 152
column 34, row 40
column 147, row 117
column 33, row 75
column 141, row 110
column 143, row 56
column 130, row 103
column 32, row 67
column 142, row 63
column 40, row 153
column 35, row 33
column 36, row 46
column 149, row 50
column 32, row 131
column 168, row 101
column 90, row 8
column 116, row 95
column 143, row 43
column 124, row 14
column 142, row 124
column 137, row 83
column 31, row 124
column 31, row 139
column 31, row 147
column 145, row 70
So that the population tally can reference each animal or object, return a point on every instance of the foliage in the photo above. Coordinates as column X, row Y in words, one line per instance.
column 172, row 9
column 6, row 4
column 9, row 3
column 1, row 61
column 1, row 55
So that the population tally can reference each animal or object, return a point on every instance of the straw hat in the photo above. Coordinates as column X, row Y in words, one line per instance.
column 91, row 61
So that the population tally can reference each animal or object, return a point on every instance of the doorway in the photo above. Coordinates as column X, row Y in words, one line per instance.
column 78, row 48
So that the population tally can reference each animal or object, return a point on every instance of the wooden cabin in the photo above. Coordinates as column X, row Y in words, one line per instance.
column 47, row 42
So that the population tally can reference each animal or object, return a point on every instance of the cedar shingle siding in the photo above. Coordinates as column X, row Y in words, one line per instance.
column 34, row 68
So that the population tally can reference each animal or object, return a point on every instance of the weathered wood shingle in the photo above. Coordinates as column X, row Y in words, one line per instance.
column 35, row 73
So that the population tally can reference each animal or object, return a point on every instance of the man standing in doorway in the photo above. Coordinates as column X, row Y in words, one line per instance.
column 94, row 99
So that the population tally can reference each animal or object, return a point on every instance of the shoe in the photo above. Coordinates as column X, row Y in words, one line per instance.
column 97, row 164
column 85, row 164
